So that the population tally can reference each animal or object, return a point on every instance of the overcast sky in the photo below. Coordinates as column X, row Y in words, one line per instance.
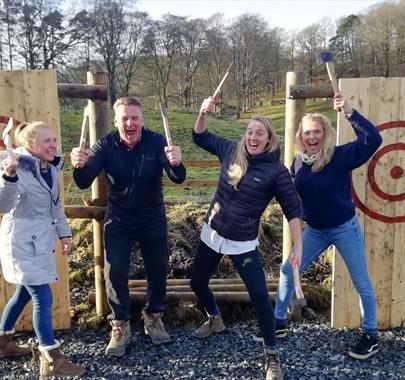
column 287, row 14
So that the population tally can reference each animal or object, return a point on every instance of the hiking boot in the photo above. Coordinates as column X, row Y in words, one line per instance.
column 53, row 363
column 365, row 347
column 258, row 335
column 153, row 326
column 120, row 337
column 281, row 332
column 272, row 365
column 213, row 324
column 9, row 348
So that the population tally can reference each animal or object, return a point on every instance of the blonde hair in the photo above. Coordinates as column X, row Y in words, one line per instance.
column 26, row 133
column 240, row 162
column 127, row 101
column 329, row 142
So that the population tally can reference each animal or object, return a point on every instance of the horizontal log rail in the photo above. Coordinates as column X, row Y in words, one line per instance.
column 168, row 183
column 186, row 163
column 306, row 91
column 85, row 212
column 82, row 91
column 236, row 297
column 186, row 281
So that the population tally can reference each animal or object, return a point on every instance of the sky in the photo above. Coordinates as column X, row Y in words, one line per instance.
column 287, row 14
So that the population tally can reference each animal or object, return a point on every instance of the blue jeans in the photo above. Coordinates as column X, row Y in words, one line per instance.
column 119, row 241
column 41, row 296
column 250, row 270
column 349, row 241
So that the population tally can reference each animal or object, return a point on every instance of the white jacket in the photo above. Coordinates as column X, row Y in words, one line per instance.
column 33, row 218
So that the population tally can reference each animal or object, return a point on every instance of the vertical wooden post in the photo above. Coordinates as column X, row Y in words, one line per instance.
column 98, row 127
column 294, row 111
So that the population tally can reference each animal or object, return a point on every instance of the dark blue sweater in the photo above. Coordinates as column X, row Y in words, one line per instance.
column 326, row 195
column 236, row 215
column 134, row 177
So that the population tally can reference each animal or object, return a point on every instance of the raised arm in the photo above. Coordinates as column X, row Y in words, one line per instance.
column 356, row 153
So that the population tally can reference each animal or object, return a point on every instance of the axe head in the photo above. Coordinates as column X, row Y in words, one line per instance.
column 298, row 303
column 325, row 56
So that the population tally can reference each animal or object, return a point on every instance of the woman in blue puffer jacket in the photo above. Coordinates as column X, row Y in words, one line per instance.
column 251, row 176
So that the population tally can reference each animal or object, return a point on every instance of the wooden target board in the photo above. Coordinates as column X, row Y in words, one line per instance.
column 28, row 96
column 378, row 190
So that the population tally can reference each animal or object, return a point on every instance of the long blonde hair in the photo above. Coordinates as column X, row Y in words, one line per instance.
column 26, row 133
column 240, row 162
column 329, row 142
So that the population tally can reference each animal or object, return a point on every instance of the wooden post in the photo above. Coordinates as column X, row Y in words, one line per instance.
column 98, row 127
column 294, row 111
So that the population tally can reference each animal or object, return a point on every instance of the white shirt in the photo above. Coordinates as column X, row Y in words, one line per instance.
column 226, row 246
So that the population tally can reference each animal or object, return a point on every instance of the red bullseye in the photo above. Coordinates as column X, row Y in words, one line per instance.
column 396, row 172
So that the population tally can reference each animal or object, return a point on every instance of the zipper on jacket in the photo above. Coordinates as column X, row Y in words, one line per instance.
column 140, row 168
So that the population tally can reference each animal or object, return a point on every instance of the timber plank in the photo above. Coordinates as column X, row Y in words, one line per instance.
column 28, row 96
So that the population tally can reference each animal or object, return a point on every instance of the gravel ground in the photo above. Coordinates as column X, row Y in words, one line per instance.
column 311, row 351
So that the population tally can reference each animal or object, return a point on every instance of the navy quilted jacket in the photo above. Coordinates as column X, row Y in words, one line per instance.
column 236, row 214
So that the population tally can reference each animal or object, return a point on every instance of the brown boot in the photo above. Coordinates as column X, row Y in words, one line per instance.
column 272, row 366
column 9, row 348
column 120, row 337
column 154, row 327
column 214, row 324
column 53, row 363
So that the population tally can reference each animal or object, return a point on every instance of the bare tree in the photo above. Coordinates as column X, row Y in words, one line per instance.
column 162, row 43
column 249, row 39
column 191, row 51
column 310, row 41
column 109, row 26
column 9, row 19
column 133, row 35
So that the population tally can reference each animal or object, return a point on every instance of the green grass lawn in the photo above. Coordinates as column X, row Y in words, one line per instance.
column 181, row 124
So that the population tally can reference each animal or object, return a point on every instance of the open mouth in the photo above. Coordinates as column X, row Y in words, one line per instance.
column 131, row 133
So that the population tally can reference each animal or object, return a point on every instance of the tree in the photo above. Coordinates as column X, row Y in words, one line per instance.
column 249, row 38
column 9, row 19
column 109, row 26
column 191, row 50
column 162, row 43
column 310, row 41
column 133, row 35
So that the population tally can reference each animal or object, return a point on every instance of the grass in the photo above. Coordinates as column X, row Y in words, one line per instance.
column 181, row 124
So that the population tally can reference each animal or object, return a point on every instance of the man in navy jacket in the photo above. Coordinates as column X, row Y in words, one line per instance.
column 133, row 159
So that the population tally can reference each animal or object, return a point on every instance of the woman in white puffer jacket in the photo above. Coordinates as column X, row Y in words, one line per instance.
column 33, row 219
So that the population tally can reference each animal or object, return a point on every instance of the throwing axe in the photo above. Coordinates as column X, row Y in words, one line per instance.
column 327, row 58
column 300, row 301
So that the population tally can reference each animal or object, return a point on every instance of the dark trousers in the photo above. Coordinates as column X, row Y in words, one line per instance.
column 250, row 269
column 118, row 242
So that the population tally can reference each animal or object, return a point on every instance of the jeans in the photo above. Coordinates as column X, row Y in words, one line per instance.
column 349, row 241
column 41, row 296
column 250, row 270
column 119, row 241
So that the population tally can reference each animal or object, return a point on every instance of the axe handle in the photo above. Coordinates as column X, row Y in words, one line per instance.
column 330, row 67
column 297, row 284
column 218, row 89
column 167, row 131
column 84, row 131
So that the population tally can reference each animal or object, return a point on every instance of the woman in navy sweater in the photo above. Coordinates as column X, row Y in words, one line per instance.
column 251, row 175
column 322, row 178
